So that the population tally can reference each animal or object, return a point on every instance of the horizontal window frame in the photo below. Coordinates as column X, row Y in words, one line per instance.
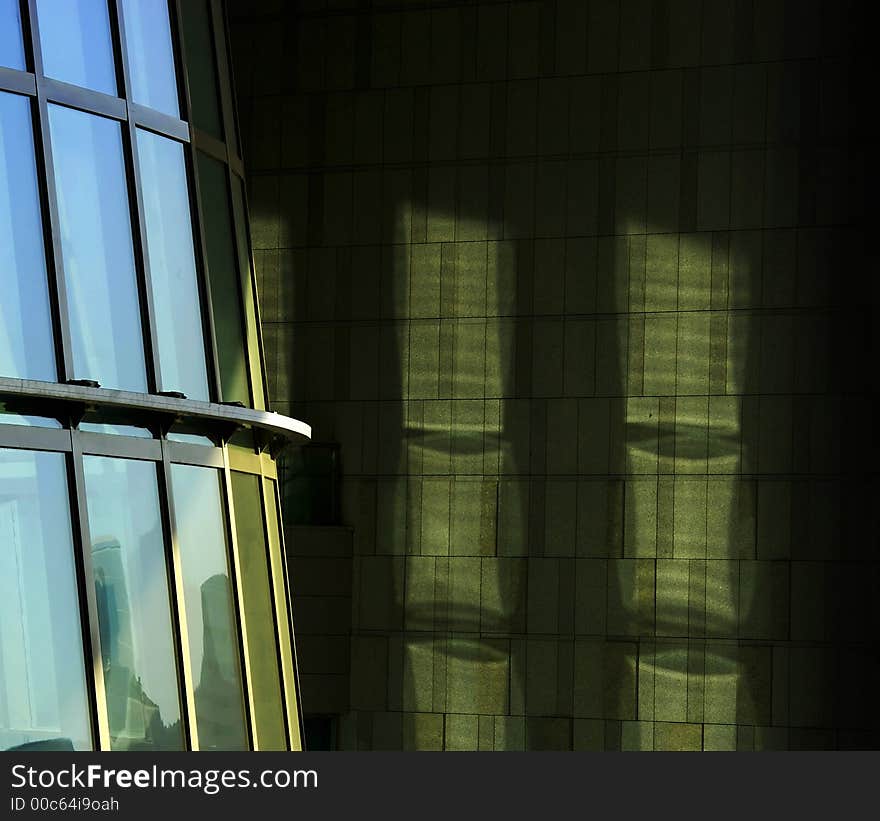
column 95, row 102
column 183, row 453
column 82, row 99
column 117, row 446
column 31, row 437
column 18, row 82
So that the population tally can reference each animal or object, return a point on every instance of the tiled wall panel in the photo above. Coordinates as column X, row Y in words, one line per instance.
column 564, row 280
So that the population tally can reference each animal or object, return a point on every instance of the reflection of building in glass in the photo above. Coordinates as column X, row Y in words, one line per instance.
column 577, row 301
column 135, row 720
column 216, row 689
column 142, row 607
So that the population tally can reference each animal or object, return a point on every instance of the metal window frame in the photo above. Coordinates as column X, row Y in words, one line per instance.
column 163, row 454
column 68, row 403
column 235, row 565
column 241, row 467
column 80, row 513
column 283, row 603
column 131, row 116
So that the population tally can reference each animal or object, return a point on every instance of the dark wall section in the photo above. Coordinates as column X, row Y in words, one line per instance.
column 582, row 291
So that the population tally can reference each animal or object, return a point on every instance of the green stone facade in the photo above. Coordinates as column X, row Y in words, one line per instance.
column 563, row 281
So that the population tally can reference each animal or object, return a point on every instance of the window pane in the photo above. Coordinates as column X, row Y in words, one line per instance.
column 223, row 271
column 105, row 321
column 76, row 45
column 28, row 421
column 131, row 586
column 115, row 430
column 281, row 610
column 151, row 55
column 11, row 48
column 42, row 674
column 259, row 621
column 250, row 303
column 201, row 66
column 210, row 617
column 26, row 346
column 172, row 265
column 190, row 439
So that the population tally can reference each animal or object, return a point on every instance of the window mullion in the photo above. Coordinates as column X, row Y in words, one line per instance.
column 83, row 540
column 235, row 567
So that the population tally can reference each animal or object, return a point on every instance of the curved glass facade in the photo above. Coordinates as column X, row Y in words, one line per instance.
column 143, row 595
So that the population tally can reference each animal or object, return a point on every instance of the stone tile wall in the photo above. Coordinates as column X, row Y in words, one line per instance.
column 578, row 287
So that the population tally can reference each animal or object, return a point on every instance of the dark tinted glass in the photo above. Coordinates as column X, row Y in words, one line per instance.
column 278, row 571
column 201, row 67
column 258, row 616
column 151, row 54
column 11, row 48
column 131, row 587
column 76, row 44
column 42, row 675
column 249, row 295
column 26, row 345
column 172, row 266
column 105, row 322
column 210, row 616
column 223, row 271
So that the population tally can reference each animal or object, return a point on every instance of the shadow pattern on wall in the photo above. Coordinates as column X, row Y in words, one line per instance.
column 584, row 297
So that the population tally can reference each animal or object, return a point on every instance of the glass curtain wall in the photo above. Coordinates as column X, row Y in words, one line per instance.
column 143, row 596
column 149, row 282
column 42, row 674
